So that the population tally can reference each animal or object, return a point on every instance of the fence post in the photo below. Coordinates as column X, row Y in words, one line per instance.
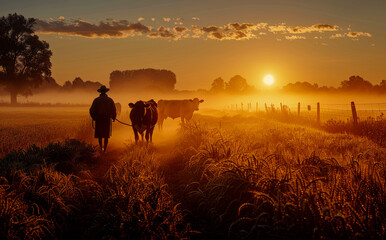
column 281, row 107
column 318, row 113
column 266, row 108
column 298, row 109
column 257, row 106
column 354, row 113
column 236, row 107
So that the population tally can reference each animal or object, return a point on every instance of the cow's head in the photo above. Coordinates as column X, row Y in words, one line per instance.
column 196, row 102
column 138, row 111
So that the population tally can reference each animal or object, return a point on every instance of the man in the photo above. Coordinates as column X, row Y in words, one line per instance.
column 102, row 111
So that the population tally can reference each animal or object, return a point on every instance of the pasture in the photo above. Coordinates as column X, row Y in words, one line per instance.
column 222, row 176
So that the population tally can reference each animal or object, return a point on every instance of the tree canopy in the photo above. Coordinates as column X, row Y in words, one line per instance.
column 143, row 79
column 24, row 59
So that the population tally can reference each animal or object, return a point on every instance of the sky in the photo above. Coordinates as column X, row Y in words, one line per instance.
column 321, row 42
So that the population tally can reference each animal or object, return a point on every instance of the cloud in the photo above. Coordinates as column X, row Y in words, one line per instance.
column 237, row 35
column 283, row 28
column 294, row 37
column 211, row 29
column 242, row 26
column 108, row 28
column 353, row 35
column 111, row 28
column 325, row 27
column 277, row 28
column 163, row 32
column 358, row 34
column 314, row 28
column 338, row 35
column 180, row 29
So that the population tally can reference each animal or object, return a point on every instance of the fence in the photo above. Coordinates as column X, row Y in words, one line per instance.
column 319, row 112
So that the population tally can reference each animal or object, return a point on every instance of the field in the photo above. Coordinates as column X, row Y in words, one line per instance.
column 222, row 176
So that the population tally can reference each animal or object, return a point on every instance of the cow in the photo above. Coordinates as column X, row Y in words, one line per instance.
column 143, row 116
column 118, row 108
column 177, row 108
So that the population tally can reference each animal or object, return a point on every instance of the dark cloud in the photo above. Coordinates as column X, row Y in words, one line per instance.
column 325, row 27
column 180, row 29
column 242, row 26
column 216, row 35
column 211, row 29
column 108, row 28
column 237, row 35
column 358, row 34
column 163, row 32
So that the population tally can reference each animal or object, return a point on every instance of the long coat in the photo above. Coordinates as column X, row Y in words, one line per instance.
column 102, row 111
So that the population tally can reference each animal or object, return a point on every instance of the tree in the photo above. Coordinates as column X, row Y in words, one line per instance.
column 218, row 85
column 24, row 59
column 143, row 80
column 304, row 87
column 238, row 84
column 356, row 83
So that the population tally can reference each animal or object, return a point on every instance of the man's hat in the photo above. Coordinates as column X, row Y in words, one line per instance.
column 103, row 89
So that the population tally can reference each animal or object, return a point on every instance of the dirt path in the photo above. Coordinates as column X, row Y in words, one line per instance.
column 122, row 136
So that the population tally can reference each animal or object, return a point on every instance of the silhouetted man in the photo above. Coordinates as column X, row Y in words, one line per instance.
column 102, row 111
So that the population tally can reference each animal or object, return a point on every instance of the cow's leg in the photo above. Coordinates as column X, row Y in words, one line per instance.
column 142, row 137
column 151, row 134
column 136, row 135
column 160, row 122
column 147, row 135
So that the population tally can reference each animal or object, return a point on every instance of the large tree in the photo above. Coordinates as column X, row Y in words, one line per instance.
column 238, row 84
column 218, row 85
column 24, row 59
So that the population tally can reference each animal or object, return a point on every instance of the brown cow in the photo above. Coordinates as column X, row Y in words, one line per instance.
column 143, row 116
column 177, row 108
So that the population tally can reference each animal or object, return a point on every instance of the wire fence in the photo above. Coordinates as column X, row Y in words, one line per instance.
column 337, row 112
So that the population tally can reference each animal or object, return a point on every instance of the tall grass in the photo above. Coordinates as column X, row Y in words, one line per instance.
column 281, row 182
column 220, row 178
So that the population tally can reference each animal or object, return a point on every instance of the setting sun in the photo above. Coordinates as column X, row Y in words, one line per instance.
column 268, row 79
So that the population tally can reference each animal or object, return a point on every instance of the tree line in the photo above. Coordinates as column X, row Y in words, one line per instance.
column 239, row 85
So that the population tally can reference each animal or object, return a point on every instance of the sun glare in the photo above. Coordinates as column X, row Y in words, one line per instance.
column 268, row 80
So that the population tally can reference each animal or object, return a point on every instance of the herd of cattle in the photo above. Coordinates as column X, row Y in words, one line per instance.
column 145, row 115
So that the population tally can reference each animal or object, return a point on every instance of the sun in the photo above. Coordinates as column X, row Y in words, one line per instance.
column 269, row 79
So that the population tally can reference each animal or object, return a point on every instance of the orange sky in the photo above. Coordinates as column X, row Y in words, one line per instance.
column 322, row 43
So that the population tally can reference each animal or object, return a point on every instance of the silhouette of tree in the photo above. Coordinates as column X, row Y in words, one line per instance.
column 79, row 84
column 143, row 79
column 356, row 83
column 218, row 85
column 302, row 87
column 24, row 59
column 238, row 84
column 381, row 88
column 49, row 85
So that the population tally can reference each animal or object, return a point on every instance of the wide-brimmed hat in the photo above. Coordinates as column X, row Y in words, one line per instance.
column 103, row 89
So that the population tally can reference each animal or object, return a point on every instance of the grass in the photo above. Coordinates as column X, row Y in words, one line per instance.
column 229, row 177
column 278, row 181
column 23, row 126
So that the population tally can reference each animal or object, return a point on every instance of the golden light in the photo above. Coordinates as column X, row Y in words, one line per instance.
column 269, row 79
